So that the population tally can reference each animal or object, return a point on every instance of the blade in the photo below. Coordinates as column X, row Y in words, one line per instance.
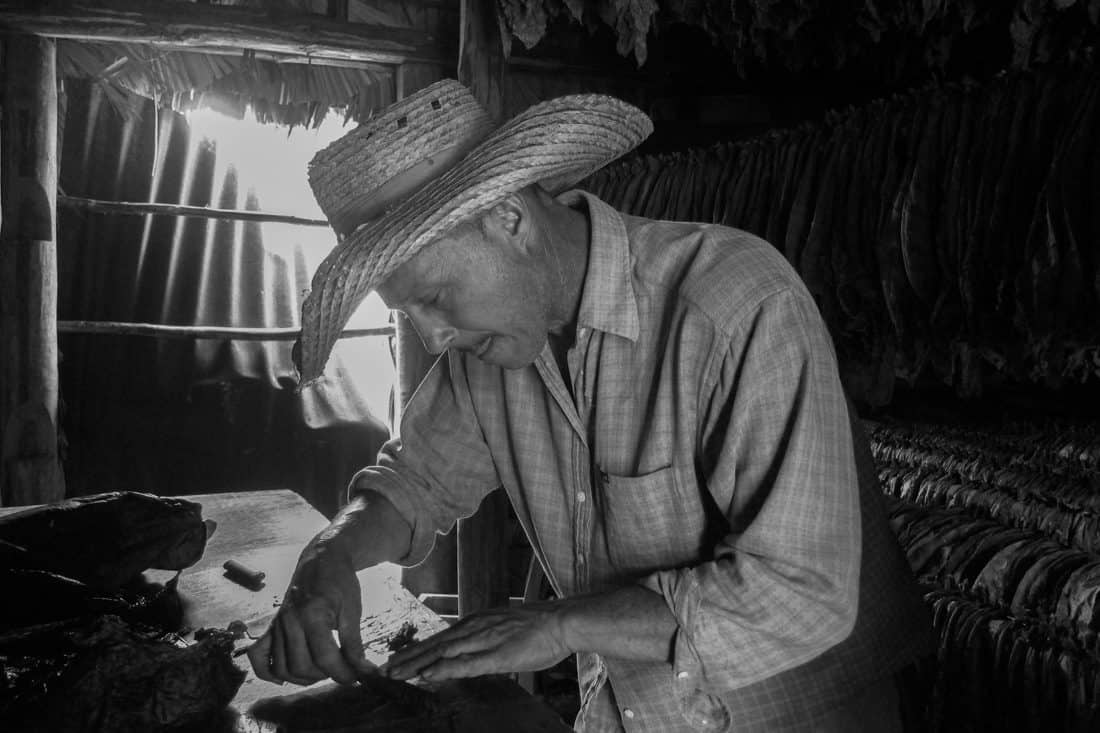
column 398, row 691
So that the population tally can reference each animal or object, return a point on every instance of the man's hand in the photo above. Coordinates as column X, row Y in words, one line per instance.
column 324, row 596
column 521, row 639
column 298, row 646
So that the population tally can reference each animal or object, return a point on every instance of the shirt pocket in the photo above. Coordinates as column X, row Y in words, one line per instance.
column 652, row 521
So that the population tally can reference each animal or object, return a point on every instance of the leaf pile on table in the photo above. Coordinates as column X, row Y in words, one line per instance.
column 1000, row 525
column 86, row 642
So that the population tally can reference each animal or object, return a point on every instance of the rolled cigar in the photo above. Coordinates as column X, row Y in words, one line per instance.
column 240, row 573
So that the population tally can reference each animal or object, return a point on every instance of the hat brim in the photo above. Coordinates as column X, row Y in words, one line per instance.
column 555, row 143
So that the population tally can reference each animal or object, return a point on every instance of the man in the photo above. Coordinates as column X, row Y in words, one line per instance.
column 660, row 401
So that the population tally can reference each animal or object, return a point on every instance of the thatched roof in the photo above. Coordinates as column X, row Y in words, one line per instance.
column 278, row 87
column 291, row 94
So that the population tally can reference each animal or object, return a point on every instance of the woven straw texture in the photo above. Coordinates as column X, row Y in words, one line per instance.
column 438, row 117
column 555, row 143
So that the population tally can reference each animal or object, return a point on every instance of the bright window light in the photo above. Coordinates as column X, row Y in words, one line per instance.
column 271, row 165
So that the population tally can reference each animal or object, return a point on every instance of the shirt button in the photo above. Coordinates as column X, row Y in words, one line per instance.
column 682, row 675
column 582, row 497
column 629, row 714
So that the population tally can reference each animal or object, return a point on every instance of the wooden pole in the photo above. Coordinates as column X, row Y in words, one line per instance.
column 30, row 471
column 200, row 212
column 438, row 573
column 229, row 333
column 481, row 64
column 483, row 539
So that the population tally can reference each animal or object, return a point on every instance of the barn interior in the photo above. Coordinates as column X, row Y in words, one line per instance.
column 931, row 170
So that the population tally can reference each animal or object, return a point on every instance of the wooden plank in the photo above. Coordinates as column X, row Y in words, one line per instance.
column 483, row 538
column 188, row 26
column 29, row 468
column 116, row 328
column 483, row 541
column 481, row 64
column 200, row 212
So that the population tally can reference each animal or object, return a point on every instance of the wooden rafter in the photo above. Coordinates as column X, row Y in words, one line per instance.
column 211, row 29
column 116, row 328
column 200, row 212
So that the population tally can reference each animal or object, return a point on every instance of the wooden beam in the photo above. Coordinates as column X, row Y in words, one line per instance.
column 116, row 328
column 190, row 27
column 200, row 212
column 483, row 539
column 481, row 55
column 29, row 468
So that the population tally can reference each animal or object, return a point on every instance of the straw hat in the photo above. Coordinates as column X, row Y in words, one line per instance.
column 403, row 179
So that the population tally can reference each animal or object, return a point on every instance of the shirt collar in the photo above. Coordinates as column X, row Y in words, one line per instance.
column 608, row 302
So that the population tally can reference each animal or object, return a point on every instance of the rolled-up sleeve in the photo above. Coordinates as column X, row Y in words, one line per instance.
column 440, row 467
column 782, row 585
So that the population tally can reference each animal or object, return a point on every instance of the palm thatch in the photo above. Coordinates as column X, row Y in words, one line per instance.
column 284, row 93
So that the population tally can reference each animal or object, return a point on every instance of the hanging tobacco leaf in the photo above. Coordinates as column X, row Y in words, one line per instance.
column 523, row 19
column 631, row 20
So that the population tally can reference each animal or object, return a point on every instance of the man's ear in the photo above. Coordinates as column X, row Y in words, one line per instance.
column 509, row 219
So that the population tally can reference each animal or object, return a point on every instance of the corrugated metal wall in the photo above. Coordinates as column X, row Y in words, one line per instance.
column 187, row 416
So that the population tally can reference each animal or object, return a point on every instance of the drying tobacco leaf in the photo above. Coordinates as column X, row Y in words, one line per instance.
column 109, row 676
column 106, row 540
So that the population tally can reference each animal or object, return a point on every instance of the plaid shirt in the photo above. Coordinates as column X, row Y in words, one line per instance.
column 703, row 450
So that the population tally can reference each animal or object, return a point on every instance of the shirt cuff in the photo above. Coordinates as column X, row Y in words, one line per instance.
column 379, row 480
column 699, row 706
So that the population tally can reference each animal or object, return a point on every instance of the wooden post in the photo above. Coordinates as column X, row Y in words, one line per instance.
column 481, row 57
column 483, row 539
column 439, row 570
column 30, row 471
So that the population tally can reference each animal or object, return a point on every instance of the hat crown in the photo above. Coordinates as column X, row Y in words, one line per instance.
column 359, row 176
column 403, row 192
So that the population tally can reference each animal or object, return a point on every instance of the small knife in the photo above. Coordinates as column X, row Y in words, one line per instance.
column 401, row 692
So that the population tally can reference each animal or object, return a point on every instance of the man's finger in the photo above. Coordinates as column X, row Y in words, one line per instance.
column 290, row 649
column 463, row 665
column 351, row 638
column 324, row 653
column 259, row 655
column 429, row 647
column 409, row 667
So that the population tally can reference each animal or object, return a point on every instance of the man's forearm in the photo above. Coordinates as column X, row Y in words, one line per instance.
column 627, row 623
column 369, row 530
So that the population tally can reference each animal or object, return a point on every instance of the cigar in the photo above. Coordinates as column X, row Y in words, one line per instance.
column 240, row 573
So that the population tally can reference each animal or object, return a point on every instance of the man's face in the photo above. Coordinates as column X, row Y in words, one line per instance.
column 474, row 293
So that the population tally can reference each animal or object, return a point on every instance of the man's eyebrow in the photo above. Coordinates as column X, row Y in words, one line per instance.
column 418, row 296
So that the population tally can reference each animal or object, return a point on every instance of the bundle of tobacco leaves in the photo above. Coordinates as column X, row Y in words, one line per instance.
column 86, row 640
column 110, row 676
column 83, row 557
column 105, row 540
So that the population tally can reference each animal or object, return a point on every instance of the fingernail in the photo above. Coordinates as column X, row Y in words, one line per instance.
column 427, row 674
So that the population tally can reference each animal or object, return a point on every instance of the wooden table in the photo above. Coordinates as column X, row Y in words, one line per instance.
column 266, row 531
